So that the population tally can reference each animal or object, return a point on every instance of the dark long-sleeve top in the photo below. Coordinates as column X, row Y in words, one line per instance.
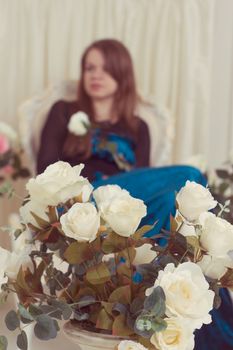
column 114, row 147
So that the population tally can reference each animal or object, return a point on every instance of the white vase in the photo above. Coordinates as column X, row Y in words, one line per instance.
column 86, row 340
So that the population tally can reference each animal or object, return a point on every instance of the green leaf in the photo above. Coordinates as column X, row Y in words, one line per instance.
column 35, row 310
column 12, row 320
column 86, row 301
column 104, row 320
column 120, row 327
column 98, row 274
column 45, row 328
column 3, row 342
column 24, row 313
column 65, row 308
column 155, row 302
column 3, row 297
column 22, row 341
column 114, row 243
column 21, row 281
column 158, row 325
column 41, row 222
column 78, row 252
column 52, row 311
column 52, row 214
column 139, row 234
column 128, row 254
column 108, row 307
column 137, row 305
column 121, row 295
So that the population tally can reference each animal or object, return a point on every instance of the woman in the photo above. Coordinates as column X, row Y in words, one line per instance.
column 116, row 150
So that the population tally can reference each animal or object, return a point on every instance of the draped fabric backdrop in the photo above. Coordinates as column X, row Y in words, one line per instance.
column 41, row 42
column 170, row 41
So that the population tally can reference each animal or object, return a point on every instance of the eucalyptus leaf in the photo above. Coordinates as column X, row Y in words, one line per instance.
column 45, row 328
column 64, row 307
column 25, row 313
column 143, row 326
column 121, row 295
column 86, row 301
column 155, row 302
column 137, row 306
column 98, row 274
column 12, row 320
column 22, row 341
column 3, row 342
column 81, row 316
column 52, row 311
column 119, row 308
column 35, row 310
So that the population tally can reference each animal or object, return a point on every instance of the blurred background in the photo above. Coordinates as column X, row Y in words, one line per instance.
column 182, row 52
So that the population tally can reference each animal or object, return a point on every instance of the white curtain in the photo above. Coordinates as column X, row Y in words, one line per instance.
column 41, row 42
column 170, row 41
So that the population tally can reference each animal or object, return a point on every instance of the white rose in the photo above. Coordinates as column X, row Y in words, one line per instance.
column 215, row 267
column 81, row 222
column 35, row 207
column 177, row 336
column 11, row 262
column 193, row 199
column 105, row 194
column 58, row 183
column 144, row 254
column 16, row 260
column 79, row 123
column 187, row 293
column 22, row 242
column 121, row 211
column 216, row 235
column 4, row 258
column 130, row 345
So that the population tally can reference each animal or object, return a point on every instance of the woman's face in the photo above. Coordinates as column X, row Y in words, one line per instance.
column 98, row 83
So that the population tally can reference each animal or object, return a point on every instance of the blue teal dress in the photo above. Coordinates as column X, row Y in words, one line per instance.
column 119, row 156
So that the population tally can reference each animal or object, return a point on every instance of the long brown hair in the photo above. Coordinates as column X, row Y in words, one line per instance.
column 118, row 64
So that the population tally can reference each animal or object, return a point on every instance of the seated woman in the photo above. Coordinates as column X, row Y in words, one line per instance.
column 116, row 150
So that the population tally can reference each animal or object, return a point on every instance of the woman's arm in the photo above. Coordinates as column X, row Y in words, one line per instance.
column 143, row 146
column 52, row 137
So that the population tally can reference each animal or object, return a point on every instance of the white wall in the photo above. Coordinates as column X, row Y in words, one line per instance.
column 221, row 102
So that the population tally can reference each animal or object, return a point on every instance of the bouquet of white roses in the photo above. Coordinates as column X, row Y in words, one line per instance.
column 84, row 257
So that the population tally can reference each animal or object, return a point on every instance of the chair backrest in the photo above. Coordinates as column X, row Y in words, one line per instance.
column 33, row 114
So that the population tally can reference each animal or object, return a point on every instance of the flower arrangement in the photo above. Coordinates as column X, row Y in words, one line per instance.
column 10, row 158
column 83, row 256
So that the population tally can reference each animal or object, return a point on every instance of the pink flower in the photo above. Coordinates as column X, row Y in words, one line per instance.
column 8, row 170
column 4, row 144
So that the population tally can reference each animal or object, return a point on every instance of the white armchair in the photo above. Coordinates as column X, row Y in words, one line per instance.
column 33, row 113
